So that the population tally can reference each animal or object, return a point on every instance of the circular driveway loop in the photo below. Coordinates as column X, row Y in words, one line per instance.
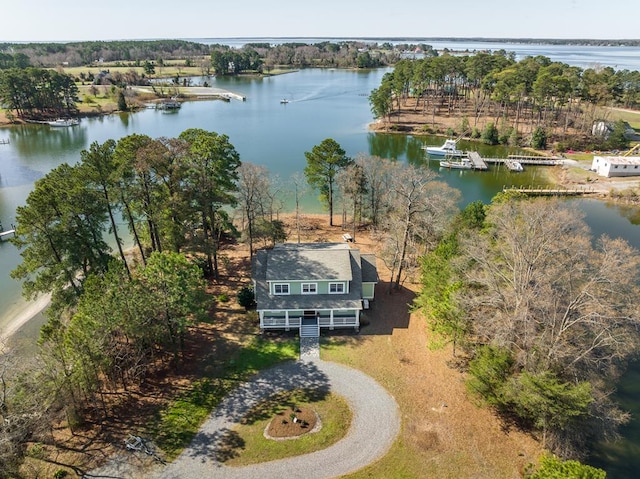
column 375, row 425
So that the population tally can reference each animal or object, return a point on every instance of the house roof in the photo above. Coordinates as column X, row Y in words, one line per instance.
column 312, row 261
column 620, row 160
column 309, row 261
column 369, row 269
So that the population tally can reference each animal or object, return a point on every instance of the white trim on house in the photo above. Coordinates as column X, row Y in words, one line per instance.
column 312, row 288
column 336, row 319
column 340, row 290
column 282, row 292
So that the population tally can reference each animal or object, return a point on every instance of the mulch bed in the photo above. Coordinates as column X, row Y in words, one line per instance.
column 282, row 425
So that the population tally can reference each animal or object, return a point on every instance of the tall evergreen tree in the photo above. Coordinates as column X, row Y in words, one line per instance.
column 323, row 163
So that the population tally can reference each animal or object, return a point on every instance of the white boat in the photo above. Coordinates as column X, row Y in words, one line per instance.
column 462, row 164
column 514, row 165
column 447, row 149
column 64, row 122
column 169, row 105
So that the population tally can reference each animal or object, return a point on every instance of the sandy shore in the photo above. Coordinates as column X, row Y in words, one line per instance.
column 21, row 313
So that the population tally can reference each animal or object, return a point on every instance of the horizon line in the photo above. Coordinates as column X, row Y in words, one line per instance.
column 337, row 37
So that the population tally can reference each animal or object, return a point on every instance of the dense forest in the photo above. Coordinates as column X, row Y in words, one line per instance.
column 38, row 93
column 541, row 317
column 517, row 101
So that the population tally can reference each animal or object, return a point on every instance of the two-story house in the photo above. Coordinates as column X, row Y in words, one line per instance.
column 309, row 286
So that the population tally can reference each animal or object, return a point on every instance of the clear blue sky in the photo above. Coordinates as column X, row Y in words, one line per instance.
column 64, row 20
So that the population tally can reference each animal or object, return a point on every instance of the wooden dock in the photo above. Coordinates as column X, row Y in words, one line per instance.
column 480, row 163
column 537, row 160
column 477, row 161
column 550, row 191
column 528, row 160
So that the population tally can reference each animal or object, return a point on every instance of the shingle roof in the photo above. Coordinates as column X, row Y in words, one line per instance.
column 309, row 261
column 369, row 269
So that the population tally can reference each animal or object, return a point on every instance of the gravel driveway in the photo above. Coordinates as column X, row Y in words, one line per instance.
column 375, row 425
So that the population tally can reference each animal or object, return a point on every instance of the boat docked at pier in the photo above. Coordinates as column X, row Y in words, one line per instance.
column 448, row 149
column 513, row 165
column 172, row 104
column 461, row 164
column 64, row 122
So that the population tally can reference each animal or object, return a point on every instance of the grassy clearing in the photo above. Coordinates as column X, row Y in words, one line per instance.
column 170, row 68
column 175, row 426
column 633, row 118
column 253, row 447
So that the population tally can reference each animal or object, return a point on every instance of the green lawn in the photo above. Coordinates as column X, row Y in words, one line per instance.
column 250, row 446
column 633, row 118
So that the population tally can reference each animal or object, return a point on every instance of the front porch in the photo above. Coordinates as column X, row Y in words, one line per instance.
column 321, row 319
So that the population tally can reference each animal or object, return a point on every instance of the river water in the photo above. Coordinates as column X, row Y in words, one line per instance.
column 322, row 104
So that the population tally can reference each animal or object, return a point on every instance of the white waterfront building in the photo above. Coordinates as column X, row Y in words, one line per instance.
column 611, row 166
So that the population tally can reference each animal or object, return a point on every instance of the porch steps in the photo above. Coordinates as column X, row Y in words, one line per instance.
column 309, row 331
column 309, row 327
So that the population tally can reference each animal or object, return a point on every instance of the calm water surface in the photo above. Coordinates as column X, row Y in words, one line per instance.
column 323, row 104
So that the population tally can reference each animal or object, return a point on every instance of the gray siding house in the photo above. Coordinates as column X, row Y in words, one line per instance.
column 310, row 286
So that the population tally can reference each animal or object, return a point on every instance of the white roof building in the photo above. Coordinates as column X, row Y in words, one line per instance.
column 611, row 166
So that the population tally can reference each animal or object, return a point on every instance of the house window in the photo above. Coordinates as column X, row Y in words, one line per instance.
column 281, row 288
column 336, row 288
column 309, row 288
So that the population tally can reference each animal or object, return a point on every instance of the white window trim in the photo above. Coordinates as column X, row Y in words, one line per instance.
column 337, row 292
column 315, row 288
column 281, row 284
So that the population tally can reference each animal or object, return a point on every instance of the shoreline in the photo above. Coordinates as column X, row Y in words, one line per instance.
column 191, row 93
column 21, row 313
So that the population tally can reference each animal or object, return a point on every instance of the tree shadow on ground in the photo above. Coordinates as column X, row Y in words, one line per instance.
column 389, row 311
column 280, row 401
column 228, row 445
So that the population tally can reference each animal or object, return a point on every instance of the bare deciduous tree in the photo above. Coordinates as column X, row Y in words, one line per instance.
column 352, row 185
column 378, row 175
column 540, row 288
column 419, row 211
column 254, row 197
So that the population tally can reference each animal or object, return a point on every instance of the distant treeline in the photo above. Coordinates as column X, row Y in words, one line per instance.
column 299, row 55
column 256, row 56
column 86, row 53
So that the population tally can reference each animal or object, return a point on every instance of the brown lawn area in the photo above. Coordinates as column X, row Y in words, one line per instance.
column 444, row 433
